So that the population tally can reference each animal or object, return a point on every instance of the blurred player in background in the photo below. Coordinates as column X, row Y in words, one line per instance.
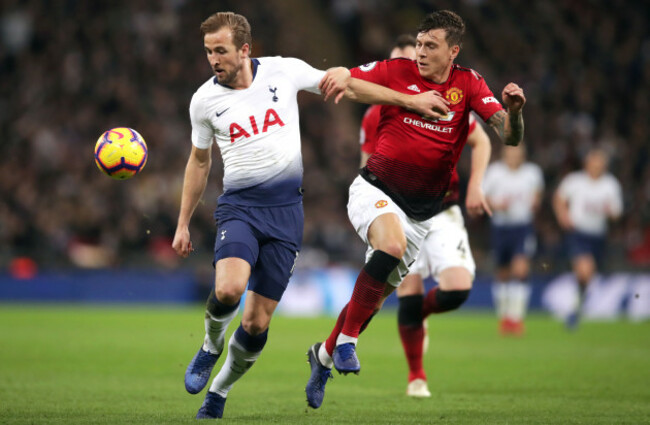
column 249, row 108
column 445, row 252
column 514, row 189
column 405, row 181
column 583, row 203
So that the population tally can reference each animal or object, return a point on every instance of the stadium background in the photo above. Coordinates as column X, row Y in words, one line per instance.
column 71, row 69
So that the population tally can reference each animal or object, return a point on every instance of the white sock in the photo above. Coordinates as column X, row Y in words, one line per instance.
column 344, row 339
column 500, row 298
column 324, row 358
column 518, row 296
column 237, row 363
column 215, row 331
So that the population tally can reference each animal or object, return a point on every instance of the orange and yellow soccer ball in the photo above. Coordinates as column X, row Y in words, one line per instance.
column 121, row 153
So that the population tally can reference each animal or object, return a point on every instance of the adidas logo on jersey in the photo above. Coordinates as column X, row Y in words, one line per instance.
column 414, row 88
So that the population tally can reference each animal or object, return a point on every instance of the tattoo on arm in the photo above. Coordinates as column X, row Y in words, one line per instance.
column 511, row 132
column 498, row 122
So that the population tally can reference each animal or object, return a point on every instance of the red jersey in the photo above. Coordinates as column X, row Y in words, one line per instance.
column 368, row 141
column 415, row 158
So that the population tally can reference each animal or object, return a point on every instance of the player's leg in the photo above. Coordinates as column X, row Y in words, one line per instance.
column 233, row 258
column 500, row 297
column 518, row 293
column 452, row 265
column 267, row 283
column 502, row 251
column 584, row 267
column 244, row 348
column 319, row 355
column 410, row 295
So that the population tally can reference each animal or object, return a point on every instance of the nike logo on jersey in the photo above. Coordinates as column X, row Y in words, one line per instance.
column 273, row 90
column 223, row 234
column 222, row 112
column 414, row 88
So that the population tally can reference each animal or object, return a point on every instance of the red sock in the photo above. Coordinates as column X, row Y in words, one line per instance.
column 429, row 305
column 412, row 338
column 367, row 293
column 330, row 343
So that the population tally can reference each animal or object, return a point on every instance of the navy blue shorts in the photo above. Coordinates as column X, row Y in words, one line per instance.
column 510, row 241
column 268, row 238
column 579, row 243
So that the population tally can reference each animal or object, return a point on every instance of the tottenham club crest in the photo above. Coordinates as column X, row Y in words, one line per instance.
column 273, row 90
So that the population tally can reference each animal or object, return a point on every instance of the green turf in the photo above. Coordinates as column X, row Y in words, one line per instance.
column 71, row 364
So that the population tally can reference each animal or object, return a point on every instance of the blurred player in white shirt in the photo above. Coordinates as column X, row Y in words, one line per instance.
column 513, row 189
column 583, row 203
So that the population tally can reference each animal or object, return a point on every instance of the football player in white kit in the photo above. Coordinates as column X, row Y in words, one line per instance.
column 249, row 108
column 514, row 189
column 583, row 203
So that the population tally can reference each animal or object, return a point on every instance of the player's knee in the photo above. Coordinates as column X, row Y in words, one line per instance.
column 254, row 326
column 228, row 294
column 218, row 308
column 451, row 300
column 394, row 247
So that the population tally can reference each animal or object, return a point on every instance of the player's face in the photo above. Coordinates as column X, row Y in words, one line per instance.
column 407, row 52
column 434, row 55
column 513, row 156
column 225, row 59
column 596, row 164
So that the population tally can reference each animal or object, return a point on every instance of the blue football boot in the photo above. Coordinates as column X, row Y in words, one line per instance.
column 199, row 370
column 315, row 388
column 345, row 359
column 212, row 407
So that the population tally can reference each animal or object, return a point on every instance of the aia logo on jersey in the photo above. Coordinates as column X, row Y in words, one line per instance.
column 381, row 204
column 454, row 95
column 271, row 118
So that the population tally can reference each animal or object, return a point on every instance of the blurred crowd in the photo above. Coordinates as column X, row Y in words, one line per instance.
column 71, row 69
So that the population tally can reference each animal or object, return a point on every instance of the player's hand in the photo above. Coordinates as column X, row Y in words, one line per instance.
column 513, row 97
column 182, row 243
column 430, row 105
column 334, row 83
column 476, row 203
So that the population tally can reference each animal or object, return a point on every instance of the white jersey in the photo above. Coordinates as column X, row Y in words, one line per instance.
column 590, row 200
column 257, row 130
column 516, row 188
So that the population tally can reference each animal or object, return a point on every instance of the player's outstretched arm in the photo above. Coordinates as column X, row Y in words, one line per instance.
column 475, row 202
column 510, row 125
column 196, row 178
column 337, row 82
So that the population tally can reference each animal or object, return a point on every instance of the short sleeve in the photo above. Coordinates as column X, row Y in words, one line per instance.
column 564, row 190
column 202, row 131
column 539, row 178
column 482, row 100
column 617, row 197
column 303, row 75
column 374, row 72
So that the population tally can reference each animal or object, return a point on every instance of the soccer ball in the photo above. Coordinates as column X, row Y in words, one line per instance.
column 121, row 153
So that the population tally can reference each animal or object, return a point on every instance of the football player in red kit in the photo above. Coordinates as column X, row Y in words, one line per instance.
column 403, row 185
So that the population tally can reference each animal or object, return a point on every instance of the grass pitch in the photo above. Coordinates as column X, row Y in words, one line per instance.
column 110, row 365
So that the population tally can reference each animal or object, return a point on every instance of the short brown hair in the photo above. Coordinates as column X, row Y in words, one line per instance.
column 448, row 21
column 238, row 24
